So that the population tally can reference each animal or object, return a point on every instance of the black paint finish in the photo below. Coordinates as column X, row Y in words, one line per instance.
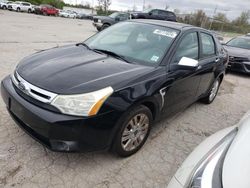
column 73, row 69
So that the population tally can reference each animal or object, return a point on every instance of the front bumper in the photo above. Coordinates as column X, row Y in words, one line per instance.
column 97, row 25
column 56, row 131
column 243, row 67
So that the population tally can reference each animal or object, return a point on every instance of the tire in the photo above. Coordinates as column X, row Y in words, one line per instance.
column 4, row 7
column 45, row 14
column 132, row 134
column 212, row 92
column 18, row 9
column 104, row 26
column 29, row 10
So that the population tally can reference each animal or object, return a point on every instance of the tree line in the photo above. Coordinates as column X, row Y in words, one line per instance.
column 218, row 22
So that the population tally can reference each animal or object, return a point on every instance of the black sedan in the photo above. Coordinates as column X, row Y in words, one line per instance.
column 156, row 14
column 106, row 92
column 239, row 54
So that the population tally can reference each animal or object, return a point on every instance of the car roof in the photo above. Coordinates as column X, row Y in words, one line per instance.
column 174, row 25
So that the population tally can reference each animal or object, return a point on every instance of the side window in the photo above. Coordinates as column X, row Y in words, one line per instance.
column 208, row 45
column 154, row 12
column 123, row 17
column 188, row 47
column 163, row 13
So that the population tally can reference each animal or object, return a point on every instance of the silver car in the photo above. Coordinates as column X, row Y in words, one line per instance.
column 221, row 161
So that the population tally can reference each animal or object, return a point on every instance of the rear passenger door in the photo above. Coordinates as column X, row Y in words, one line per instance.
column 208, row 60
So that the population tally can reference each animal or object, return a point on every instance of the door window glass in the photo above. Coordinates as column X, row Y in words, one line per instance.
column 188, row 47
column 208, row 46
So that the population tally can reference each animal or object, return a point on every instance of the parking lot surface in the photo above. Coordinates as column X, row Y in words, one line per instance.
column 26, row 163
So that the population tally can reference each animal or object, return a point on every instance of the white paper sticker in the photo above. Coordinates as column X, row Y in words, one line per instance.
column 154, row 58
column 171, row 34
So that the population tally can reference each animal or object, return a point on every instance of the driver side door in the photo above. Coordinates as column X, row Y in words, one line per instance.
column 184, row 80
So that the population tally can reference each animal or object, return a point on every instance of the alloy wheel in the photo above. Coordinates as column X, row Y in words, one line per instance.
column 214, row 90
column 135, row 132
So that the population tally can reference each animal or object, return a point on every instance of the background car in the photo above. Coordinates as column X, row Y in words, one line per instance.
column 20, row 6
column 221, row 161
column 239, row 54
column 46, row 10
column 67, row 14
column 4, row 4
column 82, row 16
column 156, row 14
column 103, row 22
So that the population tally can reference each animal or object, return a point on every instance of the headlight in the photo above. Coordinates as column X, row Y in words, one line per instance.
column 208, row 173
column 99, row 21
column 87, row 104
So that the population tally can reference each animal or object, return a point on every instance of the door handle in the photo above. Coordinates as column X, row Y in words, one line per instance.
column 217, row 60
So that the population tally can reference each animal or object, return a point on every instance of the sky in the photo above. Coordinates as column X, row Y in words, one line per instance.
column 232, row 8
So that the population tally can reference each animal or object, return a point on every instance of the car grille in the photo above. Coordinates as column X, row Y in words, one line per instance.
column 31, row 90
column 247, row 66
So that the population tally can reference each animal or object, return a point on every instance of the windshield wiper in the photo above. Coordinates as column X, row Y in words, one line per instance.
column 113, row 54
column 83, row 44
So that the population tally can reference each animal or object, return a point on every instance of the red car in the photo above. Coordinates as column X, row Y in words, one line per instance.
column 46, row 10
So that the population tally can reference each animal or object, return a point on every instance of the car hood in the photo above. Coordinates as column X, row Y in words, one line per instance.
column 75, row 69
column 237, row 52
column 236, row 168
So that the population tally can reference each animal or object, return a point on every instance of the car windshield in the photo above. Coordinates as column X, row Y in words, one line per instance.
column 113, row 15
column 137, row 42
column 240, row 43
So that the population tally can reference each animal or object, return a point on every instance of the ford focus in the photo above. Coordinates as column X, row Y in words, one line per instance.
column 105, row 93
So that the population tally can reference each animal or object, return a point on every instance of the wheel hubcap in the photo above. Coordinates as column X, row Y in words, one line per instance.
column 214, row 90
column 135, row 132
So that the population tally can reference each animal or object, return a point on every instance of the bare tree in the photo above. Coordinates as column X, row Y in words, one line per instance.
column 242, row 20
column 104, row 4
column 149, row 7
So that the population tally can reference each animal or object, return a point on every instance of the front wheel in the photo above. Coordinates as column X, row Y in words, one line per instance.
column 105, row 26
column 18, row 9
column 134, row 130
column 212, row 93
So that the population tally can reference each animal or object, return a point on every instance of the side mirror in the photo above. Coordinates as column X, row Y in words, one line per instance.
column 185, row 61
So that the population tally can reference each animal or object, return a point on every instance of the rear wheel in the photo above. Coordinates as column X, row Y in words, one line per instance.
column 18, row 9
column 4, row 7
column 212, row 93
column 134, row 131
column 29, row 10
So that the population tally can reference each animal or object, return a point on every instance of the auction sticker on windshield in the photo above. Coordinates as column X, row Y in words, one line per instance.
column 171, row 34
